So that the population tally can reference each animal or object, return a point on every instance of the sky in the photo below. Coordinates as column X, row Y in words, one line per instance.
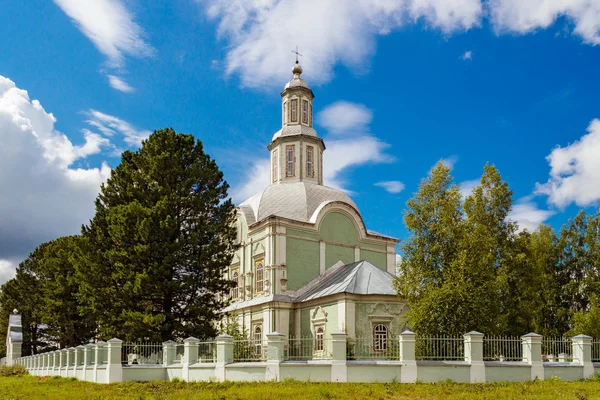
column 399, row 85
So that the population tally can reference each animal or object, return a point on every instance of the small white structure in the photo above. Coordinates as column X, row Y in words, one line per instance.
column 14, row 338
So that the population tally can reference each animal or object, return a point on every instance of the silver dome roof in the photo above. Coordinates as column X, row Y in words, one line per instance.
column 298, row 201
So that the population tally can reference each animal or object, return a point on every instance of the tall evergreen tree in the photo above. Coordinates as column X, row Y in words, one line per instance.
column 162, row 236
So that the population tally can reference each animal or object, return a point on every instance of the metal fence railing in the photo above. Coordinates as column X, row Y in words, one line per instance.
column 449, row 348
column 502, row 348
column 249, row 350
column 373, row 349
column 557, row 349
column 596, row 350
column 308, row 349
column 207, row 352
column 142, row 353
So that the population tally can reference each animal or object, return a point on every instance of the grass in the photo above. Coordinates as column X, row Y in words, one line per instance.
column 30, row 387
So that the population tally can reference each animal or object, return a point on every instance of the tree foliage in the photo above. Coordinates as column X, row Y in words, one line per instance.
column 158, row 245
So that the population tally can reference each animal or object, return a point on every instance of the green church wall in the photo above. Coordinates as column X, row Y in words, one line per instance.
column 377, row 259
column 304, row 234
column 334, row 253
column 339, row 228
column 302, row 259
column 364, row 324
column 306, row 316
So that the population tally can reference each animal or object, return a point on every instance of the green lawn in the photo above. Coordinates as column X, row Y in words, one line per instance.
column 30, row 388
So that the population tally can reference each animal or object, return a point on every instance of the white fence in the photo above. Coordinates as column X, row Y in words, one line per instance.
column 337, row 358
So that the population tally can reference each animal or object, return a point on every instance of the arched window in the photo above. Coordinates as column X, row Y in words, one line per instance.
column 257, row 339
column 275, row 162
column 235, row 292
column 290, row 167
column 380, row 337
column 294, row 110
column 304, row 112
column 285, row 112
column 260, row 277
column 319, row 338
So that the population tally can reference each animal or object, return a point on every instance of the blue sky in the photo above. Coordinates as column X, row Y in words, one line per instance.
column 399, row 85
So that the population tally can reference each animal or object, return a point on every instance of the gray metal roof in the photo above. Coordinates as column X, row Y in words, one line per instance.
column 294, row 130
column 15, row 330
column 360, row 277
column 293, row 200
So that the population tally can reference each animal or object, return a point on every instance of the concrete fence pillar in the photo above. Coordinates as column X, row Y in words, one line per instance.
column 88, row 353
column 62, row 359
column 114, row 367
column 54, row 361
column 13, row 352
column 275, row 347
column 339, row 365
column 532, row 354
column 190, row 356
column 99, row 358
column 79, row 359
column 474, row 355
column 47, row 364
column 224, row 355
column 408, row 373
column 582, row 354
column 169, row 352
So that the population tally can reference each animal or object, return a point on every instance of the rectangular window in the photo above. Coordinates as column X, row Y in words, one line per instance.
column 310, row 115
column 294, row 110
column 310, row 170
column 321, row 167
column 284, row 112
column 260, row 276
column 290, row 160
column 275, row 165
column 236, row 289
column 304, row 112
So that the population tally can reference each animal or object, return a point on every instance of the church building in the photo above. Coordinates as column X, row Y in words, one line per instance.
column 307, row 266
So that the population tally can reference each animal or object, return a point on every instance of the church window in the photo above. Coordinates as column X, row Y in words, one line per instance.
column 304, row 112
column 257, row 339
column 319, row 338
column 310, row 164
column 294, row 110
column 284, row 112
column 320, row 167
column 260, row 277
column 275, row 165
column 236, row 289
column 310, row 115
column 380, row 337
column 290, row 168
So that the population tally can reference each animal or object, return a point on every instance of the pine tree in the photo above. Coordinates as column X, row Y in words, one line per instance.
column 158, row 245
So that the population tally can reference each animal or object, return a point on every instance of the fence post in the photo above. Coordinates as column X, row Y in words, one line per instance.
column 53, row 361
column 64, row 362
column 169, row 351
column 224, row 355
column 408, row 373
column 582, row 354
column 190, row 356
column 339, row 366
column 114, row 368
column 87, row 356
column 275, row 344
column 98, row 358
column 474, row 355
column 532, row 354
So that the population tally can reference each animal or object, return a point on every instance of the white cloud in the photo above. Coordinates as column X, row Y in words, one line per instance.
column 261, row 33
column 344, row 117
column 575, row 171
column 110, row 125
column 523, row 17
column 467, row 187
column 112, row 29
column 467, row 55
column 450, row 162
column 43, row 196
column 119, row 84
column 528, row 215
column 342, row 154
column 391, row 186
column 7, row 270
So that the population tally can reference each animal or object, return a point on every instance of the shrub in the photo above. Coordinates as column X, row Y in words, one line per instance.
column 12, row 370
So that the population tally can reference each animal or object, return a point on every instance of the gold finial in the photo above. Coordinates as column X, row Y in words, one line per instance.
column 297, row 69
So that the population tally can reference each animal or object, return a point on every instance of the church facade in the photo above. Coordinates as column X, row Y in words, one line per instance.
column 307, row 266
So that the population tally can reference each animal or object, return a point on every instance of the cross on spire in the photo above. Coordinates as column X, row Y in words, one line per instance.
column 297, row 54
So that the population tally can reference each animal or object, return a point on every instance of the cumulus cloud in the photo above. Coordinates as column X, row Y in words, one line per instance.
column 262, row 33
column 528, row 215
column 43, row 196
column 450, row 162
column 467, row 187
column 359, row 148
column 119, row 84
column 575, row 171
column 523, row 17
column 391, row 186
column 110, row 125
column 112, row 29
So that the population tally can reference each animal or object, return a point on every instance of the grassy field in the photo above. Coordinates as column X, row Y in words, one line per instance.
column 31, row 388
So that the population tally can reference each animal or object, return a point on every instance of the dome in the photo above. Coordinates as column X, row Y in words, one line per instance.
column 296, row 82
column 299, row 201
column 292, row 130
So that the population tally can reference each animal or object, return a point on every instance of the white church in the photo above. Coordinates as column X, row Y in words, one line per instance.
column 307, row 265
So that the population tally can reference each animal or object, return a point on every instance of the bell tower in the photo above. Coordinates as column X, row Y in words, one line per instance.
column 296, row 150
